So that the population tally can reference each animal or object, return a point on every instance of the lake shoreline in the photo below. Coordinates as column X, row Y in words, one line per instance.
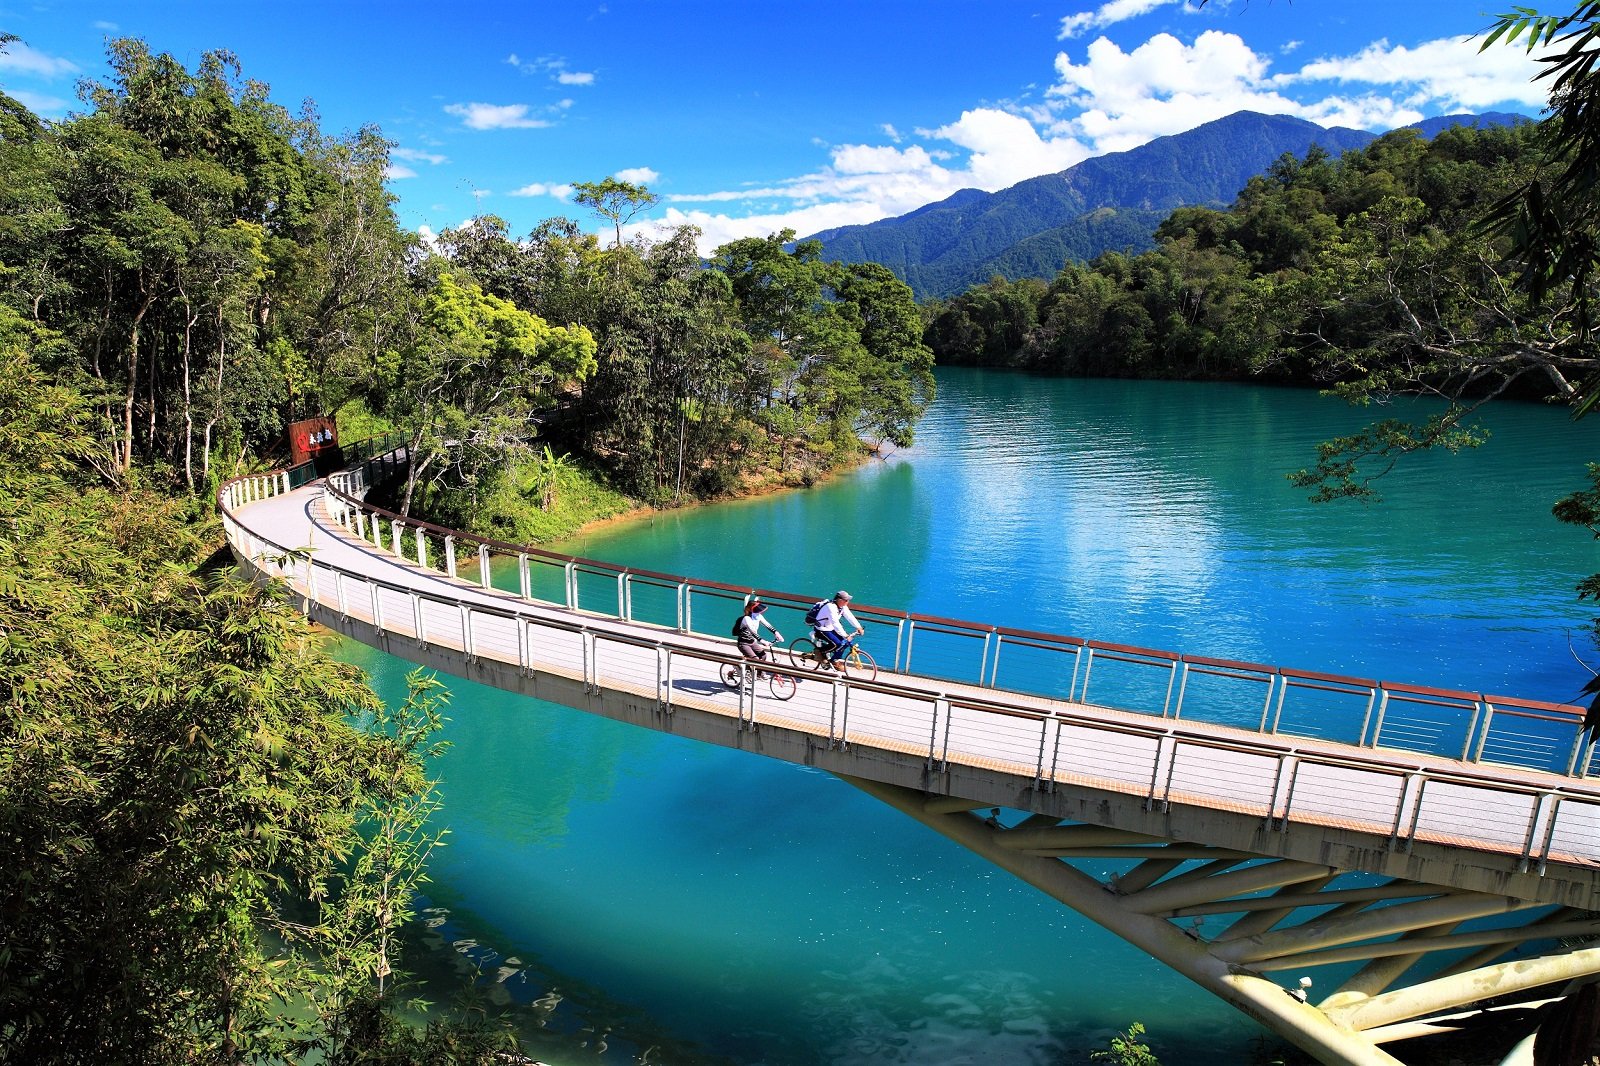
column 754, row 491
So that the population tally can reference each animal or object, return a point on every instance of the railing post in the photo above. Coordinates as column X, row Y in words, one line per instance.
column 339, row 594
column 377, row 607
column 591, row 669
column 483, row 566
column 450, row 554
column 1377, row 725
column 466, row 632
column 1088, row 664
column 911, row 635
column 416, row 619
column 1282, row 786
column 939, row 703
column 1166, row 757
column 1410, row 797
column 396, row 533
column 994, row 665
column 422, row 548
column 1044, row 739
column 899, row 635
column 983, row 662
column 1472, row 728
column 666, row 680
column 1483, row 734
column 622, row 595
column 1179, row 667
column 1266, row 704
column 523, row 578
column 1582, row 754
column 1541, row 811
column 570, row 595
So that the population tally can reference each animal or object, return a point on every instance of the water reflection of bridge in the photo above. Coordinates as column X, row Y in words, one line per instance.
column 1420, row 850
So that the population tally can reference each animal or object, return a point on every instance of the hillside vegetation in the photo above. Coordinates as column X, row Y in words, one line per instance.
column 1112, row 202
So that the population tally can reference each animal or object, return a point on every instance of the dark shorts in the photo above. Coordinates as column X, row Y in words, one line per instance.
column 752, row 650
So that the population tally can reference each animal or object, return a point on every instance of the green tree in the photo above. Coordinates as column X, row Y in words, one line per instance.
column 618, row 202
column 473, row 371
column 1551, row 217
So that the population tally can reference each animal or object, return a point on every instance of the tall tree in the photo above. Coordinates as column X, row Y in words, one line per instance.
column 469, row 377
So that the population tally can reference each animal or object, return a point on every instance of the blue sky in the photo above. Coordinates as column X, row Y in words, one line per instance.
column 748, row 118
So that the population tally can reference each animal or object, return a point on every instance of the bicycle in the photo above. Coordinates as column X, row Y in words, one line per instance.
column 807, row 653
column 781, row 686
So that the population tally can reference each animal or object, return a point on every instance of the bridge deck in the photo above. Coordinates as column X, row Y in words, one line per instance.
column 1527, row 822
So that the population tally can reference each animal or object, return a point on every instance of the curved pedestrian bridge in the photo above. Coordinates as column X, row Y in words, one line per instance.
column 1453, row 835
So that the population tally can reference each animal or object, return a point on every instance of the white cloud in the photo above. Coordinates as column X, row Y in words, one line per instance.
column 1006, row 148
column 394, row 171
column 39, row 104
column 539, row 188
column 1449, row 73
column 637, row 176
column 720, row 229
column 495, row 116
column 555, row 66
column 1116, row 100
column 18, row 58
column 416, row 155
column 1106, row 99
column 1106, row 14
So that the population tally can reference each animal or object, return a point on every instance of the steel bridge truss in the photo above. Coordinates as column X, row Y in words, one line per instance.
column 1260, row 932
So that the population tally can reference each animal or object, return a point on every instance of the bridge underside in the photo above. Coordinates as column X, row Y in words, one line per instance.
column 1408, row 960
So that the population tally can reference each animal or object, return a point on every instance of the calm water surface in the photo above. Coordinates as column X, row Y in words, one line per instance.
column 636, row 897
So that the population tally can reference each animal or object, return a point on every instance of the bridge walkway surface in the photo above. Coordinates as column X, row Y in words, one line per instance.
column 1319, row 855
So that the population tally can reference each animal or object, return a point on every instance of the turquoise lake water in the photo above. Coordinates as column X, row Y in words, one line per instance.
column 634, row 897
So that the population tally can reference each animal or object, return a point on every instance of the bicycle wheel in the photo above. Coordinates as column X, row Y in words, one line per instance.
column 861, row 664
column 782, row 686
column 803, row 654
column 731, row 675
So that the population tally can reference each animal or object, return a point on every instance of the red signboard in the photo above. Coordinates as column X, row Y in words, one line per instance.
column 311, row 437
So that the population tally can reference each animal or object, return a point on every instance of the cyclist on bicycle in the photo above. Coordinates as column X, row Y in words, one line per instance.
column 836, row 627
column 747, row 631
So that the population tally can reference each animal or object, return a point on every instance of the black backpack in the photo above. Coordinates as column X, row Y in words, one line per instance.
column 738, row 627
column 816, row 609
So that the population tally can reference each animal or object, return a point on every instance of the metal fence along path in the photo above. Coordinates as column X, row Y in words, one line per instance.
column 1218, row 734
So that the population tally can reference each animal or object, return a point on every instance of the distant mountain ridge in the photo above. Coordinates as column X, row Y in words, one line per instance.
column 1113, row 201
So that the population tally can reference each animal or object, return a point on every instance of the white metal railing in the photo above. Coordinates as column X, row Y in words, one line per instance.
column 1163, row 761
column 1472, row 727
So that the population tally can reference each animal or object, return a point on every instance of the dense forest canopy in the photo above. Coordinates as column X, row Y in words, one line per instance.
column 207, row 267
column 216, row 832
column 1371, row 275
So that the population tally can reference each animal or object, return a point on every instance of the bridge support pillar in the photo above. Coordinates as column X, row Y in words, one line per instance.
column 1176, row 880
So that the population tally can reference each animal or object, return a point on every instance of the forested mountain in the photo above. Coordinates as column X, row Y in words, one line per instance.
column 1113, row 201
column 1321, row 267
